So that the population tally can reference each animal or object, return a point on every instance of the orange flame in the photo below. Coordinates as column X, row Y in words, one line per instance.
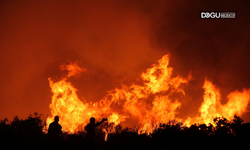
column 150, row 102
column 211, row 106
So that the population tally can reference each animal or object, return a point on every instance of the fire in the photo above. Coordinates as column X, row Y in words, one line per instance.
column 211, row 106
column 149, row 103
column 65, row 102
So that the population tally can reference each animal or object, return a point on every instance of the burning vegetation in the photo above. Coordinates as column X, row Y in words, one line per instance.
column 150, row 102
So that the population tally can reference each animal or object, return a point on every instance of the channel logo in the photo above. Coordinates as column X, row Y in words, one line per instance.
column 217, row 15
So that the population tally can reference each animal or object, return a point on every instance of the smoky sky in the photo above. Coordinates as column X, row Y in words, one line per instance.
column 116, row 41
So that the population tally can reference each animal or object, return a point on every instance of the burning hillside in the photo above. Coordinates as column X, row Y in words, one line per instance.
column 156, row 99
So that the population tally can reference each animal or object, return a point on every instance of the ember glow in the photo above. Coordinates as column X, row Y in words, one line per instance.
column 151, row 102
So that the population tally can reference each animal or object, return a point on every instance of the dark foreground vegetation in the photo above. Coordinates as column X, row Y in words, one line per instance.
column 28, row 133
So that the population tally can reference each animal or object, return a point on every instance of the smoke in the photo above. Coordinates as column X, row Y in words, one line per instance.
column 116, row 41
column 216, row 49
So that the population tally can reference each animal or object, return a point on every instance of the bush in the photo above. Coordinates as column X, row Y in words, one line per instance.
column 29, row 133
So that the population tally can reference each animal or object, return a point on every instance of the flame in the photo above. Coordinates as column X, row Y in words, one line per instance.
column 211, row 106
column 149, row 103
column 65, row 102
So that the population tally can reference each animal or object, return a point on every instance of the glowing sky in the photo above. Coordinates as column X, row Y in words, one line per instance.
column 116, row 41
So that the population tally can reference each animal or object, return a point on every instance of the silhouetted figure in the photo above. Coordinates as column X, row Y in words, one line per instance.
column 90, row 128
column 55, row 131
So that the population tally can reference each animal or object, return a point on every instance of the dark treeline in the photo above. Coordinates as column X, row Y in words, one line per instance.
column 225, row 134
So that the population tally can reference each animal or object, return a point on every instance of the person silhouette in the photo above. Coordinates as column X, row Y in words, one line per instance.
column 55, row 131
column 90, row 128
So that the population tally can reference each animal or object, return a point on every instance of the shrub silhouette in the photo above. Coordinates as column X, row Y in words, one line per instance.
column 27, row 132
column 225, row 134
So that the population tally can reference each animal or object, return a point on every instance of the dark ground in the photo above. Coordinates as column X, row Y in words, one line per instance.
column 28, row 133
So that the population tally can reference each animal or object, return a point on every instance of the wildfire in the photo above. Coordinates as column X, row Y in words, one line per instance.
column 150, row 102
column 211, row 106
